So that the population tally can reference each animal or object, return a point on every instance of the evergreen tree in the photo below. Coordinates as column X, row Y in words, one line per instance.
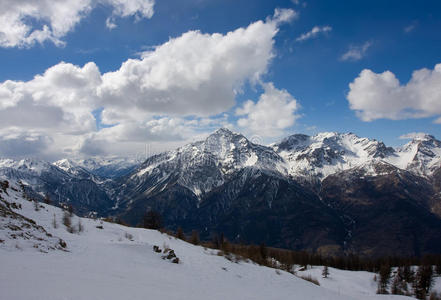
column 152, row 220
column 325, row 272
column 180, row 234
column 47, row 199
column 423, row 281
column 54, row 222
column 385, row 271
column 408, row 273
column 195, row 237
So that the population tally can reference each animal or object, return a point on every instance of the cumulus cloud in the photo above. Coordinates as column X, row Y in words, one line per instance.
column 316, row 30
column 189, row 81
column 355, row 53
column 194, row 74
column 26, row 22
column 381, row 96
column 271, row 114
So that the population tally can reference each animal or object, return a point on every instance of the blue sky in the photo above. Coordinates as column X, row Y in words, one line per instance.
column 307, row 79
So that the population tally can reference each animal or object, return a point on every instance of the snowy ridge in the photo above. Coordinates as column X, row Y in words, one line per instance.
column 204, row 165
column 101, row 167
column 422, row 155
column 316, row 157
column 110, row 261
column 31, row 165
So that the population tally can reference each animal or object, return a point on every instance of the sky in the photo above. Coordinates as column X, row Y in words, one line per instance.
column 81, row 78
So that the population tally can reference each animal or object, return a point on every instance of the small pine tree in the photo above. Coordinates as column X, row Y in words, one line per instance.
column 54, row 222
column 194, row 239
column 36, row 205
column 70, row 209
column 385, row 271
column 423, row 281
column 47, row 199
column 325, row 272
column 180, row 234
column 408, row 274
column 438, row 268
column 67, row 221
column 263, row 251
column 395, row 288
column 152, row 220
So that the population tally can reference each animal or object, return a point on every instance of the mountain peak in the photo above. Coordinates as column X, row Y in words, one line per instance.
column 224, row 132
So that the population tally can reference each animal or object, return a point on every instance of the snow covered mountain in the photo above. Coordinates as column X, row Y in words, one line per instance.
column 107, row 167
column 316, row 157
column 205, row 165
column 110, row 261
column 422, row 155
column 227, row 184
column 64, row 185
column 301, row 193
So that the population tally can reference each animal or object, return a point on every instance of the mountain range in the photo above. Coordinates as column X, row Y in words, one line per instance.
column 331, row 193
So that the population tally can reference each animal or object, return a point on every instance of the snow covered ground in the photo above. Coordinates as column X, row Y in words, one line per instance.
column 118, row 262
column 353, row 283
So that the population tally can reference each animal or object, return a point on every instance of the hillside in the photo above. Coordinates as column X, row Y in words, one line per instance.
column 118, row 262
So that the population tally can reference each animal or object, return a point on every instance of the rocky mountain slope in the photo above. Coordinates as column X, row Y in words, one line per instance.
column 305, row 192
column 334, row 193
column 40, row 179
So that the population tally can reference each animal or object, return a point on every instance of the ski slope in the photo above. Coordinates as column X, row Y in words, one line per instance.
column 118, row 262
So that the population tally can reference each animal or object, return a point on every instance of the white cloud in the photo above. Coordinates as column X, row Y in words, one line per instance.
column 381, row 96
column 413, row 135
column 316, row 30
column 26, row 22
column 274, row 112
column 163, row 97
column 15, row 143
column 355, row 53
column 282, row 15
column 411, row 27
column 194, row 74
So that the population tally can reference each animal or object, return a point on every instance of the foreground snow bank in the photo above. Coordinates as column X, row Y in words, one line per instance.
column 118, row 262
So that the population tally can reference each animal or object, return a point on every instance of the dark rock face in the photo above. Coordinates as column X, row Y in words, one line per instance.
column 252, row 207
column 435, row 203
column 390, row 214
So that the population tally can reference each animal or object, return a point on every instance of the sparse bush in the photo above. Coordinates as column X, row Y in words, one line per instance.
column 157, row 249
column 180, row 234
column 36, row 205
column 128, row 236
column 435, row 296
column 194, row 239
column 310, row 279
column 67, row 221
